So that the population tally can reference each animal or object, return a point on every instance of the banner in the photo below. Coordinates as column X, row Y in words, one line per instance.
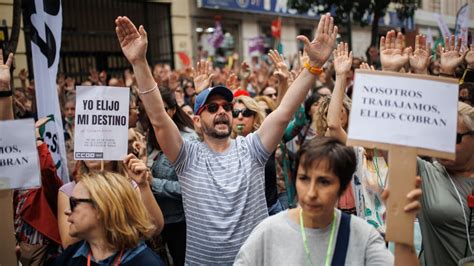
column 443, row 27
column 19, row 163
column 216, row 39
column 101, row 131
column 45, row 33
column 462, row 23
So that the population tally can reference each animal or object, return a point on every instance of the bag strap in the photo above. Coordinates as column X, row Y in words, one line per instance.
column 342, row 241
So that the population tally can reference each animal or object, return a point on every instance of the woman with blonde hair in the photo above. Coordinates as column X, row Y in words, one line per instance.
column 140, row 181
column 108, row 215
column 248, row 116
column 266, row 103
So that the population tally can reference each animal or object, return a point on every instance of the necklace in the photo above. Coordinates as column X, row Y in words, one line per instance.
column 305, row 241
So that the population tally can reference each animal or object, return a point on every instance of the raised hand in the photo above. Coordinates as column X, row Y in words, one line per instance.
column 202, row 76
column 470, row 57
column 132, row 41
column 5, row 76
column 420, row 59
column 281, row 69
column 451, row 56
column 393, row 54
column 342, row 59
column 23, row 75
column 244, row 72
column 232, row 82
column 320, row 48
column 366, row 66
column 137, row 170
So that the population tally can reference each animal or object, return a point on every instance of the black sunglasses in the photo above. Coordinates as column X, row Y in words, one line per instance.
column 74, row 201
column 214, row 107
column 459, row 136
column 245, row 112
column 272, row 95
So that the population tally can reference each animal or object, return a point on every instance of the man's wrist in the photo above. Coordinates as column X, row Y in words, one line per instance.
column 139, row 63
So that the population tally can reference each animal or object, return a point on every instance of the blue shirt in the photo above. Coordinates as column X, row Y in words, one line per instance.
column 127, row 255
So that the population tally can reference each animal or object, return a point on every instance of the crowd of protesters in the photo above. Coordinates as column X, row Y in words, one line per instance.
column 244, row 165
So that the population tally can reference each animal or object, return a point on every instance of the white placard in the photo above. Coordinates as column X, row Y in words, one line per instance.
column 19, row 163
column 404, row 109
column 101, row 130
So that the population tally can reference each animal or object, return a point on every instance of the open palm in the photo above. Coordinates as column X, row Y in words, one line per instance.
column 132, row 41
column 202, row 77
column 470, row 57
column 319, row 50
column 342, row 59
column 393, row 56
column 421, row 57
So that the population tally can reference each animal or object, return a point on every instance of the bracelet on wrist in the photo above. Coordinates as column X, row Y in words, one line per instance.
column 313, row 69
column 148, row 91
column 6, row 93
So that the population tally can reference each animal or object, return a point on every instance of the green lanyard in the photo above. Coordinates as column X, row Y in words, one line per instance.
column 305, row 241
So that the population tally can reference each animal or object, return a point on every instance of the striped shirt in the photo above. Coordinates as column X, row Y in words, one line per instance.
column 223, row 197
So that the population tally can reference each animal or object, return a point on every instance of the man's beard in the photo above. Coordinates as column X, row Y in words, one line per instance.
column 212, row 132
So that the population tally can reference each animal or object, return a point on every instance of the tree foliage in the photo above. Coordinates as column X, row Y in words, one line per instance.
column 359, row 11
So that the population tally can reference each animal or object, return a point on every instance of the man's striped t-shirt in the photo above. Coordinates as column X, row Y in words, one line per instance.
column 223, row 197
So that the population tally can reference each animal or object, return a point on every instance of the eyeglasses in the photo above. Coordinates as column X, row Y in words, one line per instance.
column 272, row 95
column 245, row 112
column 74, row 201
column 459, row 136
column 214, row 107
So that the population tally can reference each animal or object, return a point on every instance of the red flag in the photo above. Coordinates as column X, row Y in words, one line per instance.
column 184, row 58
column 276, row 28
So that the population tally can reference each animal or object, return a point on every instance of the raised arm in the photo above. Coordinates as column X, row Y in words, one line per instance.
column 6, row 99
column 134, row 45
column 342, row 65
column 318, row 52
column 138, row 171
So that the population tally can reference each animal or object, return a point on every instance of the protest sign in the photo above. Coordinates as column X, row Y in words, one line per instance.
column 101, row 130
column 19, row 163
column 408, row 115
column 405, row 109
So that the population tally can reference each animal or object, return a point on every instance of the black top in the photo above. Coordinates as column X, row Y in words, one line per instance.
column 271, row 193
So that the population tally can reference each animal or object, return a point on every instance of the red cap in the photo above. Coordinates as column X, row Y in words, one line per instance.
column 241, row 92
column 470, row 201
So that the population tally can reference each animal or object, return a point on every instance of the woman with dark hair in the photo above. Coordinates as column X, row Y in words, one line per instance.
column 165, row 185
column 316, row 232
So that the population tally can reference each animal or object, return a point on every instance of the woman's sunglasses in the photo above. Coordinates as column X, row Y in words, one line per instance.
column 214, row 107
column 459, row 136
column 245, row 113
column 74, row 201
